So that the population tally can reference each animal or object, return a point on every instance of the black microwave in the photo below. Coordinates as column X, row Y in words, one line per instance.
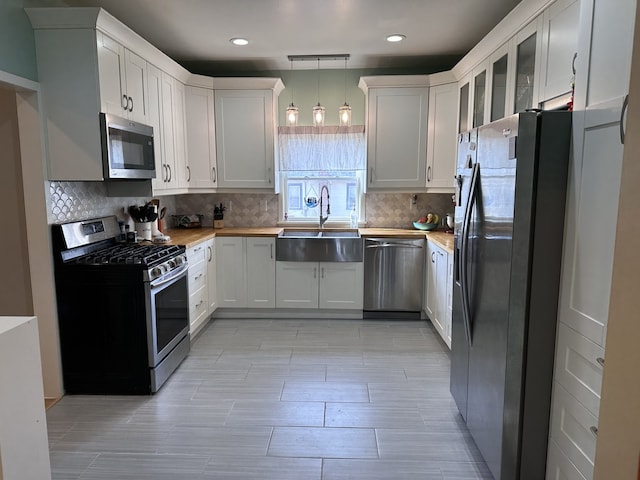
column 127, row 148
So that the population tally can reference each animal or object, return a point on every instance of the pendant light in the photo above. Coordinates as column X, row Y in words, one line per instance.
column 292, row 110
column 318, row 110
column 344, row 112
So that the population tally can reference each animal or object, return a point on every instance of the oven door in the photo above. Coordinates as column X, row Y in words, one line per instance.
column 167, row 314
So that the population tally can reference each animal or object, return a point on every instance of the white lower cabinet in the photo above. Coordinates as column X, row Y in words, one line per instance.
column 211, row 275
column 439, row 290
column 559, row 467
column 573, row 428
column 245, row 272
column 329, row 285
column 198, row 289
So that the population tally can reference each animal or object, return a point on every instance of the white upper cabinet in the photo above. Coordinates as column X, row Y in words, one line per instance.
column 464, row 104
column 89, row 62
column 526, row 53
column 499, row 81
column 441, row 138
column 245, row 127
column 123, row 80
column 480, row 95
column 397, row 137
column 201, row 134
column 559, row 44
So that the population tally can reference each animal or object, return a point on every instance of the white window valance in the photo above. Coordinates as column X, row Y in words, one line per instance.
column 322, row 148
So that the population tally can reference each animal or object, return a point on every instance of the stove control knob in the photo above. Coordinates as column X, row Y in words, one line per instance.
column 156, row 272
column 171, row 264
column 180, row 260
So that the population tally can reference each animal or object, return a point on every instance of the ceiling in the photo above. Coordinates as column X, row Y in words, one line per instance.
column 196, row 33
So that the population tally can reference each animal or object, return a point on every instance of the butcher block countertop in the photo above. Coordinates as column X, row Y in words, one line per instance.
column 192, row 236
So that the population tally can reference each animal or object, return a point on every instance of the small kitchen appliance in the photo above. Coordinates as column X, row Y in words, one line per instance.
column 127, row 149
column 123, row 309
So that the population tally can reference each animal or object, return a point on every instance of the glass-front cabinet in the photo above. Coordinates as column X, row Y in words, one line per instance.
column 479, row 97
column 499, row 87
column 526, row 52
column 463, row 113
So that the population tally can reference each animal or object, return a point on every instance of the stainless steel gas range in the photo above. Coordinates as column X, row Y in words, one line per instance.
column 123, row 309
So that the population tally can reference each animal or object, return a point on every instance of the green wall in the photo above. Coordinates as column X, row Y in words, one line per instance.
column 17, row 44
column 328, row 86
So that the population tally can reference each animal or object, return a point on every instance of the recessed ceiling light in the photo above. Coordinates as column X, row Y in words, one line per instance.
column 239, row 41
column 396, row 37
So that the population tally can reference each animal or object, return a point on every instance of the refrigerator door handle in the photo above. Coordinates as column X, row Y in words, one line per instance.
column 466, row 222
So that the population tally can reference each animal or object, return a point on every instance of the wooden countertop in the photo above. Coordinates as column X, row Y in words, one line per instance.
column 192, row 236
column 442, row 239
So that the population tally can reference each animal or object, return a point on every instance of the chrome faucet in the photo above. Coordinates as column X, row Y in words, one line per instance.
column 324, row 219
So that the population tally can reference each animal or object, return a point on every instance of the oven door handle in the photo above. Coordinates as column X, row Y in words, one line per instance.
column 174, row 274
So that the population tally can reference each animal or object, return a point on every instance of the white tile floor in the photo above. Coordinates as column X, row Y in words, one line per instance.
column 280, row 399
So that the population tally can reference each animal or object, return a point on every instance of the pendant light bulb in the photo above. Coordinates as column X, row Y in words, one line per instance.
column 318, row 110
column 344, row 112
column 292, row 111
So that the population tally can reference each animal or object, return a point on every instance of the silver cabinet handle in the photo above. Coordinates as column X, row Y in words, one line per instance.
column 315, row 272
column 429, row 173
column 210, row 254
column 593, row 429
column 433, row 260
column 271, row 249
column 600, row 361
column 131, row 107
column 371, row 175
column 322, row 272
column 573, row 63
column 215, row 174
column 125, row 102
column 625, row 104
column 170, row 173
column 188, row 173
column 165, row 177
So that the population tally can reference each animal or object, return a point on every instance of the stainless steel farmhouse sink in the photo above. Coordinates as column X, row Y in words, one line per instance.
column 324, row 246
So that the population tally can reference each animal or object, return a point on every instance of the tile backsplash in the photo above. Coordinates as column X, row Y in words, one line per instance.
column 393, row 210
column 69, row 201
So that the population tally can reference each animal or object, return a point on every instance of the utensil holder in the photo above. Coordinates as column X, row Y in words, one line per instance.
column 143, row 229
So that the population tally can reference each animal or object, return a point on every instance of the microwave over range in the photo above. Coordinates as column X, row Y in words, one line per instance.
column 127, row 148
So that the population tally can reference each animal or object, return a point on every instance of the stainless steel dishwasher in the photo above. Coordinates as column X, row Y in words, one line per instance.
column 393, row 277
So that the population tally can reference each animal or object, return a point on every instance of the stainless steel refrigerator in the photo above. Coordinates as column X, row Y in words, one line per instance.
column 509, row 220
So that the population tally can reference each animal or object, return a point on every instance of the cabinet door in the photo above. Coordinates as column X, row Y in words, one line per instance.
column 464, row 104
column 397, row 136
column 155, row 102
column 245, row 138
column 441, row 143
column 480, row 95
column 559, row 45
column 526, row 52
column 212, row 283
column 135, row 69
column 499, row 82
column 441, row 294
column 341, row 285
column 230, row 272
column 169, row 131
column 182, row 167
column 297, row 284
column 261, row 272
column 201, row 149
column 449, row 300
column 113, row 99
column 432, row 303
column 558, row 465
column 574, row 429
column 602, row 79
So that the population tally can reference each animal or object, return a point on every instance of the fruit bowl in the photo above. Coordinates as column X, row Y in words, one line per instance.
column 425, row 226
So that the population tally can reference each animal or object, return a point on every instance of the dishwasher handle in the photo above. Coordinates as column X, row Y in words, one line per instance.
column 393, row 245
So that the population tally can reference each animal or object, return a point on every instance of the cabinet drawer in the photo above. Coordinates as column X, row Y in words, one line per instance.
column 572, row 428
column 558, row 465
column 196, row 254
column 577, row 368
column 197, row 276
column 197, row 303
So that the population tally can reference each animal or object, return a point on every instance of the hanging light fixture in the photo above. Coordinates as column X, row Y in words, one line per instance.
column 318, row 110
column 344, row 112
column 292, row 110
